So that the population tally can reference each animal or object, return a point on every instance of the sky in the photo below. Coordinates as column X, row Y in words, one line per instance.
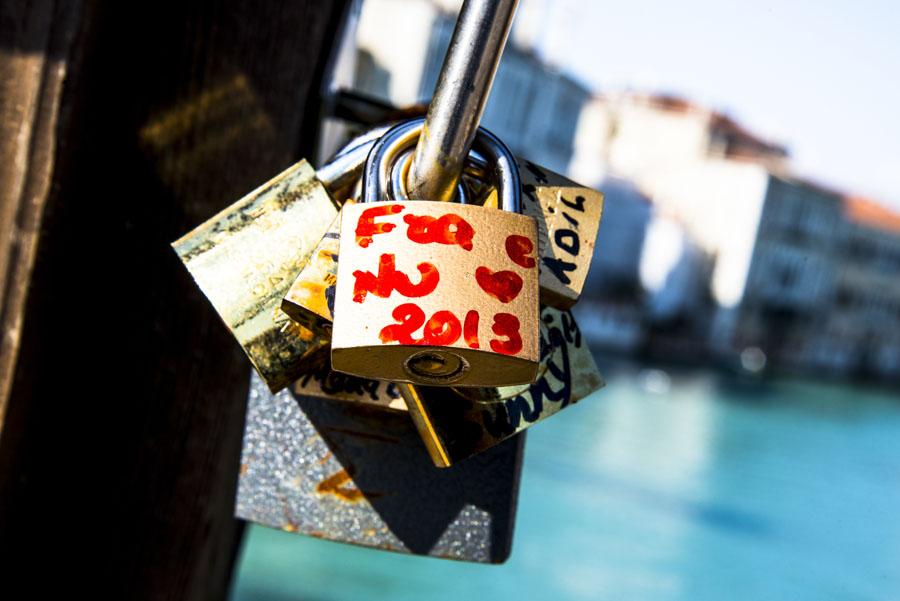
column 821, row 77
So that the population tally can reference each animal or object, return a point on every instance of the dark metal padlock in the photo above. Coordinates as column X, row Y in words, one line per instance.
column 357, row 474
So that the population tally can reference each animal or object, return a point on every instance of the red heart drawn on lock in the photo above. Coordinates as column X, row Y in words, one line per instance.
column 502, row 285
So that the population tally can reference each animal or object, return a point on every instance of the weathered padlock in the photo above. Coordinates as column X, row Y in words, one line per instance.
column 357, row 474
column 246, row 257
column 476, row 299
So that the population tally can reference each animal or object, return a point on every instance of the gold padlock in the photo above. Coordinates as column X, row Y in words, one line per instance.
column 454, row 423
column 245, row 258
column 476, row 298
column 567, row 214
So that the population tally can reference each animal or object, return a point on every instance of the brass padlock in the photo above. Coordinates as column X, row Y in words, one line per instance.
column 245, row 258
column 476, row 298
column 567, row 214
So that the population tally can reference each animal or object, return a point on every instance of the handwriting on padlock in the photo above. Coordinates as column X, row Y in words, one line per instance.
column 443, row 327
column 419, row 276
column 389, row 279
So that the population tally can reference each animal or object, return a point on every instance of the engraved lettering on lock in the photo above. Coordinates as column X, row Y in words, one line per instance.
column 367, row 227
column 519, row 249
column 446, row 229
column 502, row 285
column 389, row 279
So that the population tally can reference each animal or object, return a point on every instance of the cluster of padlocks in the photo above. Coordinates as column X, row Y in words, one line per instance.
column 387, row 331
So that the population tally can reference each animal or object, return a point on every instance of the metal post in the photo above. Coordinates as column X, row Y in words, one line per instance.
column 459, row 98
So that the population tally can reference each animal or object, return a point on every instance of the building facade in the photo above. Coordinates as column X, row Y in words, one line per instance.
column 533, row 107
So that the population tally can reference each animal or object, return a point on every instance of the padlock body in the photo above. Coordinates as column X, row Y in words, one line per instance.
column 437, row 293
column 310, row 299
column 245, row 258
column 568, row 217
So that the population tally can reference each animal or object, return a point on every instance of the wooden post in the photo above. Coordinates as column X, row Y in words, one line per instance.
column 124, row 124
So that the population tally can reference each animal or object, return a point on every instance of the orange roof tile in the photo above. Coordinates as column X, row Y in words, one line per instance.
column 868, row 212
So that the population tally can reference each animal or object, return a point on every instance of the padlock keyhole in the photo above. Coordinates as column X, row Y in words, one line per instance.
column 436, row 367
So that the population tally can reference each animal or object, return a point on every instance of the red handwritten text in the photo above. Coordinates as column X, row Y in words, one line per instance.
column 446, row 229
column 389, row 279
column 506, row 324
column 366, row 227
column 502, row 285
column 518, row 248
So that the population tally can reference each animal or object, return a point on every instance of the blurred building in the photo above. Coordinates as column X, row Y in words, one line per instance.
column 611, row 310
column 533, row 107
column 636, row 135
column 809, row 277
column 866, row 302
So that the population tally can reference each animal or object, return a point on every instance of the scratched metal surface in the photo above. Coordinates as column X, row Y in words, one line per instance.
column 245, row 258
column 358, row 474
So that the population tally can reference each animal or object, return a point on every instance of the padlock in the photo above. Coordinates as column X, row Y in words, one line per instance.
column 245, row 258
column 476, row 299
column 357, row 474
column 454, row 423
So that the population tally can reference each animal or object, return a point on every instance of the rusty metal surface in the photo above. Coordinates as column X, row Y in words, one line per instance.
column 245, row 259
column 356, row 474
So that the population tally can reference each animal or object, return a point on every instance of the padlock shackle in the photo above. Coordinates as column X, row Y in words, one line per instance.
column 377, row 174
column 400, row 172
column 345, row 167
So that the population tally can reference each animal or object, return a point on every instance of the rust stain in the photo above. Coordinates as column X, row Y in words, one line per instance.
column 325, row 458
column 335, row 485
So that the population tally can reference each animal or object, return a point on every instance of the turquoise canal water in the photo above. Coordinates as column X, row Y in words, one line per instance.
column 688, row 487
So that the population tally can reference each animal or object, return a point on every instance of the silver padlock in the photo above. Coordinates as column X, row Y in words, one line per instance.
column 471, row 319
